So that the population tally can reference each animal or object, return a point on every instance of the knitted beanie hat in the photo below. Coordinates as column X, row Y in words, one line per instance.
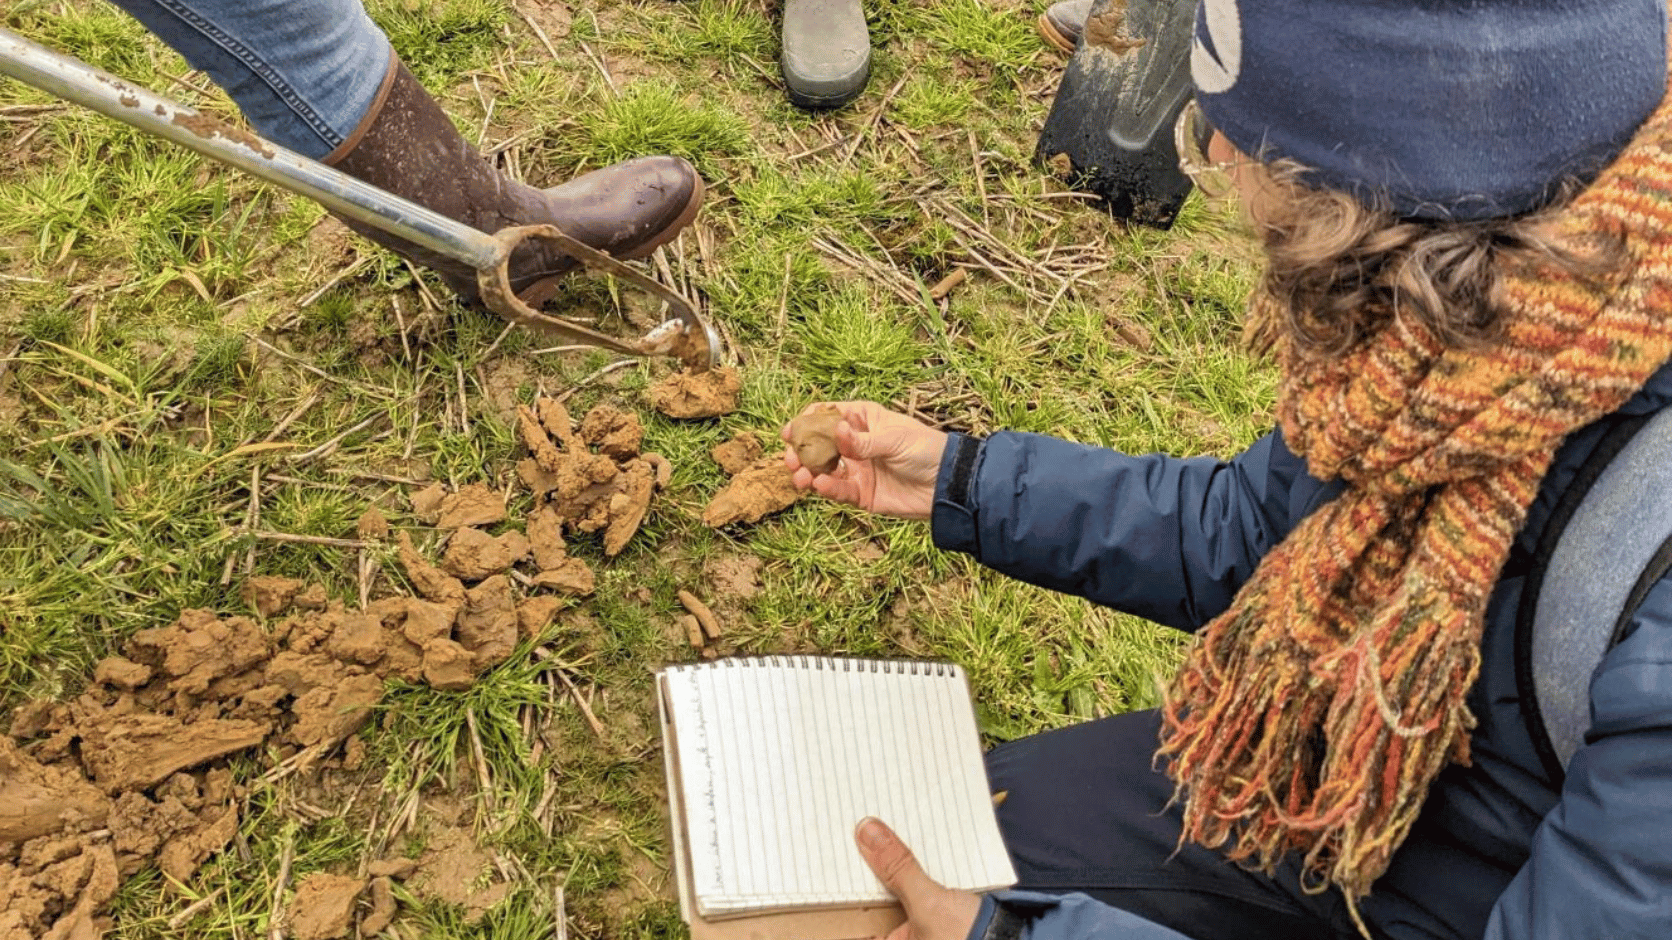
column 1437, row 109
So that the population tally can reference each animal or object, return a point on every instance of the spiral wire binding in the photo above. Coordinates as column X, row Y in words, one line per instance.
column 913, row 667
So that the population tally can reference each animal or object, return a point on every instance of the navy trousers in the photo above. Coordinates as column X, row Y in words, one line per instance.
column 1085, row 811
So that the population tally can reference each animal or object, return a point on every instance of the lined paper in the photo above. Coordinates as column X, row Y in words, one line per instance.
column 781, row 756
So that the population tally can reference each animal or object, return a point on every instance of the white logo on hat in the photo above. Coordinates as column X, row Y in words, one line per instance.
column 1216, row 71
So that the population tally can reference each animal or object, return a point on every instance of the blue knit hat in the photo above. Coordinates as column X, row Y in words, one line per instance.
column 1468, row 109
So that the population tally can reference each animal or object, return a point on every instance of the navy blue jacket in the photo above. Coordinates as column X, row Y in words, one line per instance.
column 1502, row 850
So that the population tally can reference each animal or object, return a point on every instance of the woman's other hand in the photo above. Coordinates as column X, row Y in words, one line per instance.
column 888, row 466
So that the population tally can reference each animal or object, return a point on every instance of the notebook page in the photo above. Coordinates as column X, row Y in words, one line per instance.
column 782, row 756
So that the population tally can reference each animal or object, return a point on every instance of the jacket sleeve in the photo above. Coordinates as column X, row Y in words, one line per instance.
column 1165, row 538
column 1064, row 917
column 1601, row 861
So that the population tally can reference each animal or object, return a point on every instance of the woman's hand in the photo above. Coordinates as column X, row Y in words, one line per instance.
column 933, row 911
column 889, row 461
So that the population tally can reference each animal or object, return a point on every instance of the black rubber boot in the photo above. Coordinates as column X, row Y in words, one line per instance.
column 407, row 146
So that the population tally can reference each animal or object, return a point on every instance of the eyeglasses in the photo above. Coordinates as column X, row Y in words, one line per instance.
column 1190, row 138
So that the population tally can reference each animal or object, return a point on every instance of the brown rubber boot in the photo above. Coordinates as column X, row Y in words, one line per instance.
column 407, row 146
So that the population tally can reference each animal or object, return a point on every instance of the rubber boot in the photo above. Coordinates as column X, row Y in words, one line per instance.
column 1063, row 22
column 826, row 55
column 407, row 146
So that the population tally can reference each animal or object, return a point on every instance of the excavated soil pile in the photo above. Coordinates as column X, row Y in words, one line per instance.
column 133, row 772
column 130, row 773
column 760, row 483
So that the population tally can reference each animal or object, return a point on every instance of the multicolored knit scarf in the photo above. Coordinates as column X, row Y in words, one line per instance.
column 1313, row 715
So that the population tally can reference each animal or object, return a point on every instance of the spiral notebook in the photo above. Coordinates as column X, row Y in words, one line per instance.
column 773, row 760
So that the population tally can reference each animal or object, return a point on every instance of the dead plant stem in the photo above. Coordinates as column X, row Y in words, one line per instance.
column 591, row 719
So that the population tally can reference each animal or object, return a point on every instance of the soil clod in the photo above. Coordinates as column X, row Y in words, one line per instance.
column 698, row 394
column 755, row 492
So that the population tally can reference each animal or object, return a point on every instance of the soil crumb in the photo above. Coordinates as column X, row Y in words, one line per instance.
column 1108, row 30
column 372, row 524
column 324, row 906
column 698, row 394
column 735, row 455
column 474, row 555
column 755, row 492
column 383, row 907
column 426, row 503
column 471, row 505
column 269, row 595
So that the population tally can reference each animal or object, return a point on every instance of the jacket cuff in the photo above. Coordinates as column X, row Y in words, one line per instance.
column 952, row 519
column 995, row 921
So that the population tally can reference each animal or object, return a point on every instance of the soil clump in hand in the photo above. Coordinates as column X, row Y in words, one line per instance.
column 813, row 437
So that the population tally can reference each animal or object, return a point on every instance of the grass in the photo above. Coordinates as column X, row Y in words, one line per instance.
column 174, row 335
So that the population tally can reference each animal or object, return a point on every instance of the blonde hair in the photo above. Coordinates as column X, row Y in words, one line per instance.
column 1341, row 270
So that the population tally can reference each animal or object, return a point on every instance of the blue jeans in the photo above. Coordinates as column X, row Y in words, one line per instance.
column 304, row 72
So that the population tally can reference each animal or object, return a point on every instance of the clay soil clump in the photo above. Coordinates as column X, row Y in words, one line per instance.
column 760, row 484
column 698, row 394
column 813, row 437
column 324, row 906
column 586, row 479
column 135, row 771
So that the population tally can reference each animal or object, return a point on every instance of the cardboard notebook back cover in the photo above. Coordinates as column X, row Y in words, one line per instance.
column 790, row 753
